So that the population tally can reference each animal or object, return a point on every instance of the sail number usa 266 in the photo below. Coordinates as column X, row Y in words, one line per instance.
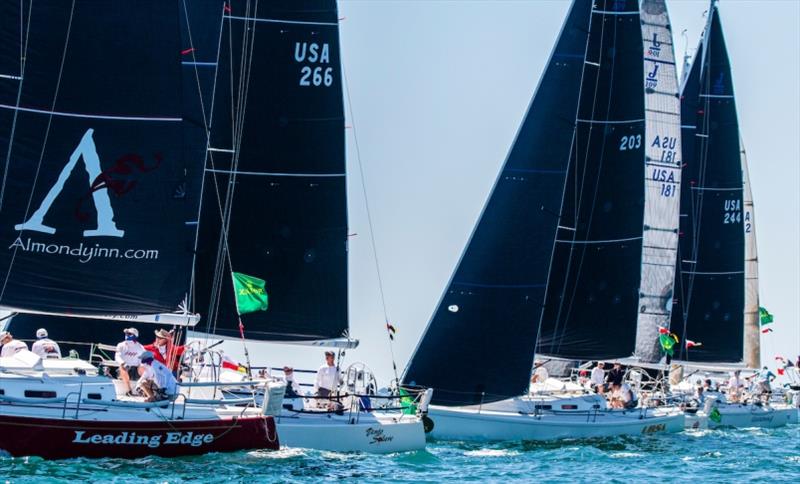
column 316, row 58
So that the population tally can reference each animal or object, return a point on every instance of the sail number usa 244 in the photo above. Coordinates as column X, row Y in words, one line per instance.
column 315, row 58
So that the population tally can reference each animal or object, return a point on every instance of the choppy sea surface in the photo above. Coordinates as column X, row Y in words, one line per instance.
column 754, row 455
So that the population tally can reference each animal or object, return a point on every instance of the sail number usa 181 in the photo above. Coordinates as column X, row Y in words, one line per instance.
column 315, row 59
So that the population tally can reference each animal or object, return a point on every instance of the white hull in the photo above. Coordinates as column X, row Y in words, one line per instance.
column 500, row 421
column 374, row 432
column 743, row 416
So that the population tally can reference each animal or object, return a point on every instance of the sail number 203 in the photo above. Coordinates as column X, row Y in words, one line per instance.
column 316, row 58
column 631, row 142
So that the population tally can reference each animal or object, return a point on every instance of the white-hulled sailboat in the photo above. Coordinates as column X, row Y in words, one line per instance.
column 98, row 184
column 553, row 263
column 717, row 303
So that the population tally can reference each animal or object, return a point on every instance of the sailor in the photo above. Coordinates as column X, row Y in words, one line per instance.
column 622, row 396
column 328, row 377
column 763, row 380
column 735, row 385
column 597, row 380
column 292, row 388
column 127, row 356
column 156, row 381
column 9, row 345
column 165, row 350
column 44, row 346
column 616, row 375
column 699, row 394
column 540, row 373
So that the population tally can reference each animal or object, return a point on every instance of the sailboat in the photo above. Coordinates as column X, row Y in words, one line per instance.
column 275, row 205
column 98, row 189
column 716, row 305
column 554, row 263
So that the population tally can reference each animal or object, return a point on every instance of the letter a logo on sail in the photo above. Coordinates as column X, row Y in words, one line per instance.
column 105, row 214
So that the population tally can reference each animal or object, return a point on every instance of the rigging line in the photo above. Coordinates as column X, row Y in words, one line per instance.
column 578, row 202
column 598, row 177
column 44, row 142
column 23, row 61
column 369, row 220
column 570, row 166
column 207, row 119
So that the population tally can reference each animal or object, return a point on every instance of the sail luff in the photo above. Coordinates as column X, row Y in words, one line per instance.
column 662, row 180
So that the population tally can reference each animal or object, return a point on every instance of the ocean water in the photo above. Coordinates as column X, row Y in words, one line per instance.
column 754, row 455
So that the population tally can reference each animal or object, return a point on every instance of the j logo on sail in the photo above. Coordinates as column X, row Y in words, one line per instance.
column 105, row 214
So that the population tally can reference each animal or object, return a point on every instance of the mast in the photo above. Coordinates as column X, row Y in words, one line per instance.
column 594, row 282
column 710, row 300
column 491, row 305
column 662, row 180
column 274, row 200
column 92, row 159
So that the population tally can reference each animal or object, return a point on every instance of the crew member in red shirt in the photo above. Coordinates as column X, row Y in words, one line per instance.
column 166, row 351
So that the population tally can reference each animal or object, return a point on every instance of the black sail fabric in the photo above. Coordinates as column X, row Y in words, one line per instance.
column 275, row 187
column 710, row 280
column 489, row 312
column 592, row 298
column 91, row 153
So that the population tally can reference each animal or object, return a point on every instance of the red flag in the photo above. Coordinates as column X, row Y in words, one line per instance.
column 662, row 330
column 767, row 330
column 692, row 344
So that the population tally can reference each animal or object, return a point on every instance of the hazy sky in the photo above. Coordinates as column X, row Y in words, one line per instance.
column 438, row 90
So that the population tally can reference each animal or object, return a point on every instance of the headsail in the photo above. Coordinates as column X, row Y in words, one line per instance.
column 593, row 289
column 493, row 302
column 710, row 281
column 274, row 195
column 752, row 324
column 662, row 179
column 91, row 159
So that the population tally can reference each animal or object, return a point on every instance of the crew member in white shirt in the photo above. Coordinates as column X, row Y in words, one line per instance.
column 44, row 346
column 735, row 386
column 540, row 373
column 328, row 377
column 598, row 378
column 127, row 356
column 156, row 381
column 9, row 345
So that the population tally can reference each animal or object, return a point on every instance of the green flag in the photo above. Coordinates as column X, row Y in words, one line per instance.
column 250, row 293
column 765, row 316
column 668, row 343
column 715, row 415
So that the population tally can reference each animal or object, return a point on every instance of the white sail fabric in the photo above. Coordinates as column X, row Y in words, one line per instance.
column 662, row 179
column 752, row 333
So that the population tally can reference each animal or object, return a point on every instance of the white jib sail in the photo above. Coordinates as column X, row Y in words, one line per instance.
column 662, row 179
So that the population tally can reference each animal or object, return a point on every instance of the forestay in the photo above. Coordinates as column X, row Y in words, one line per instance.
column 662, row 179
column 93, row 170
column 480, row 341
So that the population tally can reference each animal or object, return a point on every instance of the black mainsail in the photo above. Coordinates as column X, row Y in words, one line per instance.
column 594, row 284
column 493, row 302
column 91, row 155
column 274, row 195
column 710, row 284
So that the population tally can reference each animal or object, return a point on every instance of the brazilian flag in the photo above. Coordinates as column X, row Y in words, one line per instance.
column 251, row 294
column 668, row 342
column 407, row 403
column 765, row 316
column 715, row 415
